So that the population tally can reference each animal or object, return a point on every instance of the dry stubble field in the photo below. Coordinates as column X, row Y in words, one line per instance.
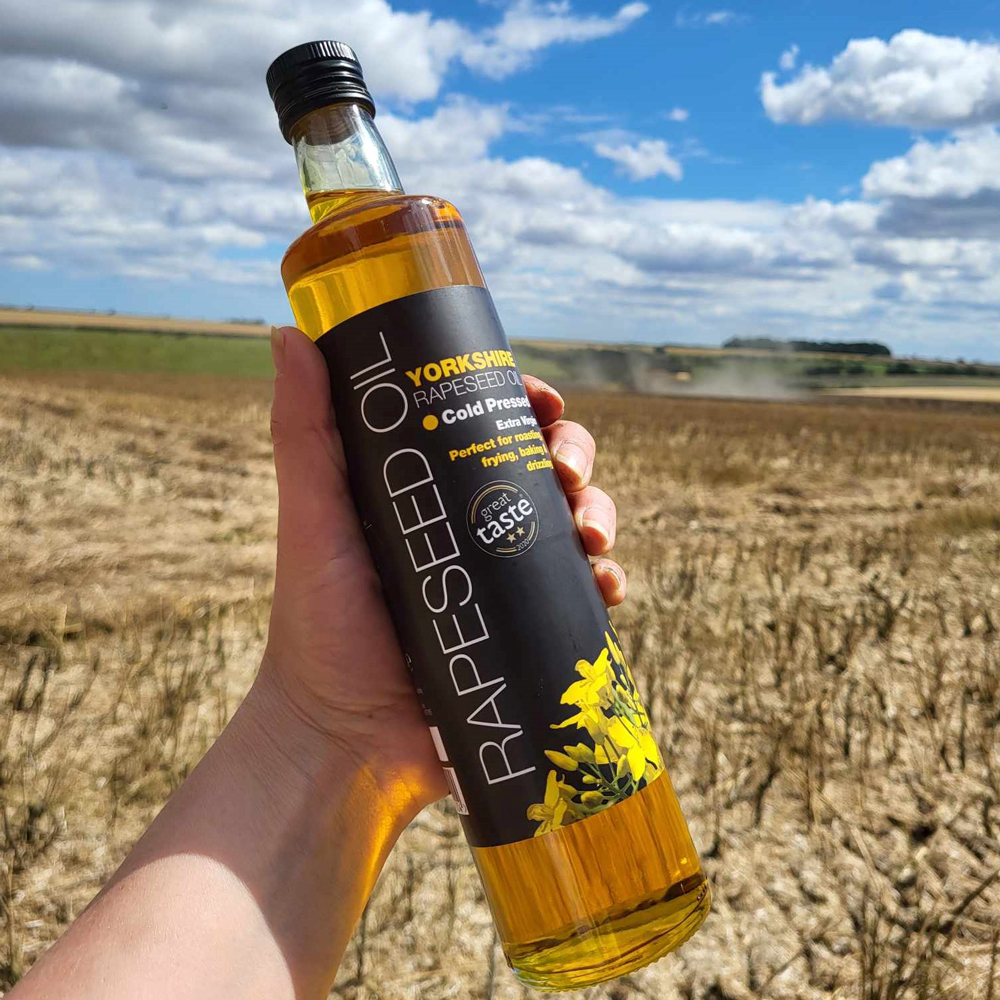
column 813, row 617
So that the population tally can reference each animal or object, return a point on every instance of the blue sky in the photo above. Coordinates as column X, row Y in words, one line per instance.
column 628, row 171
column 713, row 72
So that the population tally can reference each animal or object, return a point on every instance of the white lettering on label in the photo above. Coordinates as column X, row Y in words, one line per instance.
column 446, row 586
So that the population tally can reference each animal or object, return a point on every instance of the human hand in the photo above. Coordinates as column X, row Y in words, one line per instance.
column 332, row 655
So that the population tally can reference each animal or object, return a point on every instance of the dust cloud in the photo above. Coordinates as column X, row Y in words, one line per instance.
column 729, row 380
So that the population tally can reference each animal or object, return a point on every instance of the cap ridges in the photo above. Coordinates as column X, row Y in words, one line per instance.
column 312, row 75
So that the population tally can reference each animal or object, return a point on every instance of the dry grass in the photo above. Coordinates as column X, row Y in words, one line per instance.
column 65, row 318
column 813, row 617
column 956, row 393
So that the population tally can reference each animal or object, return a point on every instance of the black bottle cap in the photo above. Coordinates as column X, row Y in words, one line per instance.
column 313, row 75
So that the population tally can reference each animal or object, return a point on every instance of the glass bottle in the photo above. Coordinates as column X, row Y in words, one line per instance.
column 597, row 875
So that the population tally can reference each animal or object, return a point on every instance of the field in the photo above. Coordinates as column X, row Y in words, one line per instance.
column 58, row 319
column 86, row 341
column 956, row 393
column 58, row 349
column 813, row 616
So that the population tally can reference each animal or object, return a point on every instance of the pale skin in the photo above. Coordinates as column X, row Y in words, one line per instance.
column 250, row 881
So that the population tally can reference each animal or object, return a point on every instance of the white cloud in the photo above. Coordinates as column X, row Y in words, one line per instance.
column 846, row 218
column 642, row 160
column 562, row 254
column 678, row 115
column 915, row 80
column 947, row 189
column 686, row 18
column 528, row 27
column 223, row 45
column 458, row 131
column 789, row 58
column 944, row 189
column 958, row 167
column 933, row 262
column 175, row 131
column 114, row 221
column 569, row 257
column 25, row 262
column 178, row 88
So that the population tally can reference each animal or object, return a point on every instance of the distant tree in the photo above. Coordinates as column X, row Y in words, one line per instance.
column 865, row 347
column 755, row 344
column 901, row 368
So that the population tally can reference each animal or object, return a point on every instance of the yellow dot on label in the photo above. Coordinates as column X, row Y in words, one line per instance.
column 430, row 422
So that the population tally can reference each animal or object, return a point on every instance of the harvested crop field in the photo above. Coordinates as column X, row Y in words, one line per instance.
column 58, row 319
column 814, row 618
column 952, row 393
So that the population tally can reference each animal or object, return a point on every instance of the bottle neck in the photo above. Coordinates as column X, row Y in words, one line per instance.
column 341, row 157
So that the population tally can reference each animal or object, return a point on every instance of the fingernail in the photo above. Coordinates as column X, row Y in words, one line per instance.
column 277, row 349
column 573, row 457
column 596, row 519
column 617, row 574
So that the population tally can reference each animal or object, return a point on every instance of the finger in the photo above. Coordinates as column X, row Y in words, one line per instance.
column 596, row 519
column 313, row 498
column 572, row 449
column 611, row 579
column 545, row 401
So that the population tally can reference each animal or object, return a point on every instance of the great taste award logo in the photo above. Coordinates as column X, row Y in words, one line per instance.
column 503, row 520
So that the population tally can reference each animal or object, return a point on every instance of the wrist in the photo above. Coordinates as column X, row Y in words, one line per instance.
column 273, row 728
column 268, row 851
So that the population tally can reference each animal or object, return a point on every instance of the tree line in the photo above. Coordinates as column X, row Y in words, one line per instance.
column 868, row 347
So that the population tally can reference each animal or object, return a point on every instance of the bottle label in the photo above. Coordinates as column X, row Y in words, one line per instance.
column 532, row 708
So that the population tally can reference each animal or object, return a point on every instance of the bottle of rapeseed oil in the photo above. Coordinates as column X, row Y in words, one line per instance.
column 584, row 854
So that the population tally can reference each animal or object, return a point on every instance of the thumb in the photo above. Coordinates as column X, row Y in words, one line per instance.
column 315, row 511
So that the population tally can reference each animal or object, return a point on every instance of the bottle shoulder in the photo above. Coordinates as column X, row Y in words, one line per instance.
column 371, row 250
column 351, row 223
column 348, row 211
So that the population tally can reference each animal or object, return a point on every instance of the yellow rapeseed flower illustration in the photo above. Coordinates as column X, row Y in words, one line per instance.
column 623, row 758
column 594, row 688
column 562, row 760
column 549, row 814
